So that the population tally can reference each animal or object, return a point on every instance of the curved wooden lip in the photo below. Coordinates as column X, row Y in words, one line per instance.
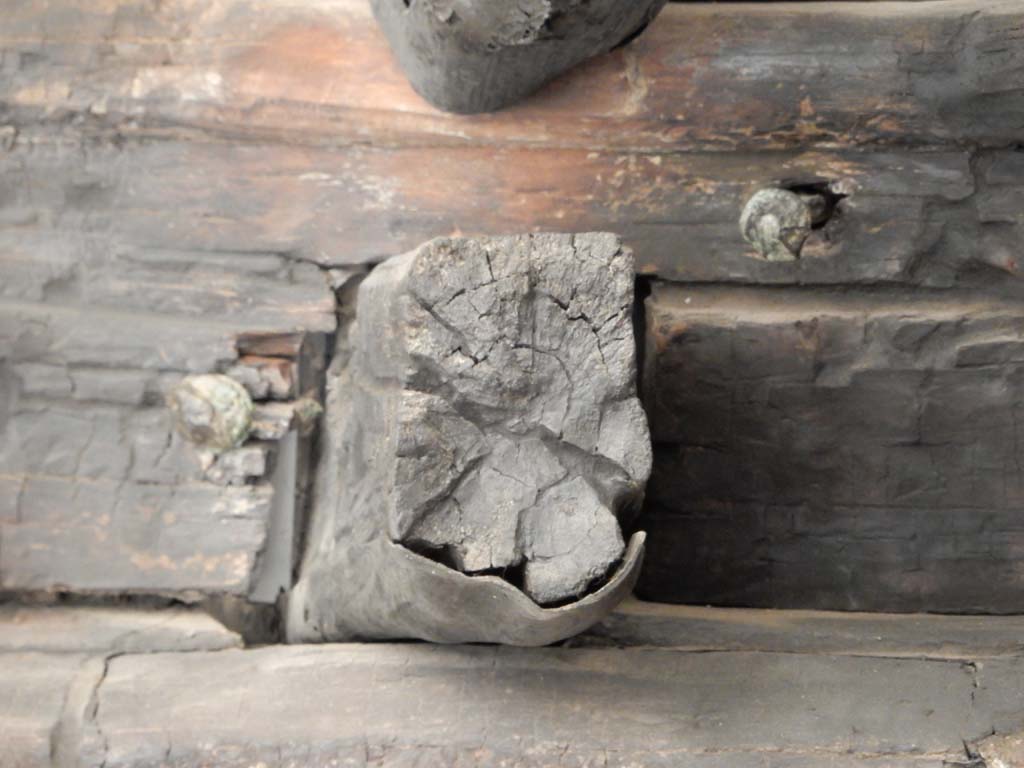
column 628, row 570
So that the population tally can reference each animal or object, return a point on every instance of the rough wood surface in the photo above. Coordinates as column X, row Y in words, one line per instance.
column 485, row 417
column 758, row 689
column 851, row 450
column 100, row 493
column 395, row 705
column 173, row 174
column 96, row 629
column 181, row 128
column 118, row 536
column 1003, row 751
column 36, row 691
column 702, row 74
column 699, row 628
column 224, row 229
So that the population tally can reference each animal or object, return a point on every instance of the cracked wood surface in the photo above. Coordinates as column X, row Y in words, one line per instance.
column 170, row 168
column 489, row 704
column 482, row 56
column 485, row 417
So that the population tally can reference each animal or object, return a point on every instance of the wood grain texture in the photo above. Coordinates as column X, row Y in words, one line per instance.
column 477, row 706
column 241, row 217
column 173, row 175
column 857, row 451
column 97, row 491
column 723, row 689
column 96, row 629
column 700, row 628
column 101, row 536
column 730, row 75
column 205, row 126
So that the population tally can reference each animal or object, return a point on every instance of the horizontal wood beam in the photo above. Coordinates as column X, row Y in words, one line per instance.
column 705, row 75
column 102, row 535
column 239, row 215
column 853, row 451
column 473, row 706
column 291, row 134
